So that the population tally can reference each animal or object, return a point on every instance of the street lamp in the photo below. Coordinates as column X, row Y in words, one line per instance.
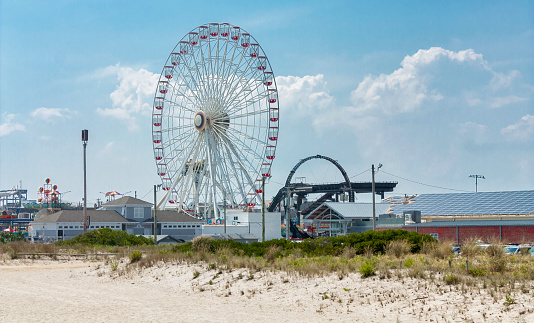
column 85, row 139
column 476, row 177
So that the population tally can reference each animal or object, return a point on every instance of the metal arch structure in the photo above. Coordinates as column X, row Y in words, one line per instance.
column 345, row 176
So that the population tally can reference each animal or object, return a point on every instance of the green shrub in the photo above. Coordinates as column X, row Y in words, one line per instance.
column 375, row 241
column 367, row 269
column 398, row 248
column 135, row 256
column 107, row 237
column 477, row 272
column 451, row 279
column 409, row 263
column 6, row 237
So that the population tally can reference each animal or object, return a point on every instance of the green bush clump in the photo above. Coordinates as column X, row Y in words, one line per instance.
column 107, row 237
column 451, row 279
column 477, row 272
column 135, row 256
column 6, row 237
column 375, row 241
column 367, row 269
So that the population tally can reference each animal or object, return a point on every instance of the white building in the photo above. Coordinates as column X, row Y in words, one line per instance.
column 240, row 222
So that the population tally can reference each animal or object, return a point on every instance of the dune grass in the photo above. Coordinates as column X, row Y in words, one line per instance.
column 386, row 255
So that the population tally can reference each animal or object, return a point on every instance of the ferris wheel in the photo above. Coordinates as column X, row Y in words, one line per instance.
column 215, row 121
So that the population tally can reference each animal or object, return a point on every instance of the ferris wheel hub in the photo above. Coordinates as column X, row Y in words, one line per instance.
column 200, row 120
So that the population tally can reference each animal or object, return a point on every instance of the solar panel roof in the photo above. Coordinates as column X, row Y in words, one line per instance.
column 480, row 203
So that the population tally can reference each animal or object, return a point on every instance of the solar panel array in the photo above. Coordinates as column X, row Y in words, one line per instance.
column 481, row 203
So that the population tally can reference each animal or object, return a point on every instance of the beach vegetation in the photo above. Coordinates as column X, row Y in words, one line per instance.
column 107, row 237
column 135, row 256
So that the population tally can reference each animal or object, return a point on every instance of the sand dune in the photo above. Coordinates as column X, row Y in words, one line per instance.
column 90, row 291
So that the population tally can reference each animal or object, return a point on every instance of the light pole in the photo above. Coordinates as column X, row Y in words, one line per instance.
column 373, row 192
column 155, row 222
column 85, row 139
column 476, row 177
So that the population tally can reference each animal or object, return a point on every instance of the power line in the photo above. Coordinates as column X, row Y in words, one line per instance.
column 147, row 193
column 440, row 187
column 361, row 173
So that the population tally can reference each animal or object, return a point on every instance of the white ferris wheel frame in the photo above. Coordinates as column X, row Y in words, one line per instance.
column 215, row 121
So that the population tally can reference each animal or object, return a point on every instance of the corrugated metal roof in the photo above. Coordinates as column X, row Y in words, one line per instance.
column 352, row 210
column 480, row 203
column 474, row 223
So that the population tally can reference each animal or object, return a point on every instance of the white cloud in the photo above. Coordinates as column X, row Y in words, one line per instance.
column 133, row 96
column 303, row 94
column 520, row 131
column 502, row 81
column 498, row 102
column 7, row 126
column 406, row 89
column 51, row 114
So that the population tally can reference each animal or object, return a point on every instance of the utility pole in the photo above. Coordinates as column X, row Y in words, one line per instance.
column 224, row 211
column 263, row 208
column 476, row 177
column 373, row 190
column 288, row 233
column 85, row 139
column 155, row 223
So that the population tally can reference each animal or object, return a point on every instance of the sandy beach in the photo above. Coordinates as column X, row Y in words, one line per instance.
column 91, row 291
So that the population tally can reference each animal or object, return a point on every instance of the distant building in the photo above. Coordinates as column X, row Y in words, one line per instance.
column 178, row 225
column 135, row 211
column 338, row 218
column 67, row 224
column 506, row 216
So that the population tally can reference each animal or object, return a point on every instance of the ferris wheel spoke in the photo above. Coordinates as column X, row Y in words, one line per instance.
column 244, row 151
column 232, row 151
column 249, row 114
column 236, row 82
column 187, row 75
column 184, row 97
column 245, row 147
column 205, row 74
column 220, row 67
column 239, row 133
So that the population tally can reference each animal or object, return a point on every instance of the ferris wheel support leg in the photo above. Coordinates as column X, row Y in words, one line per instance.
column 212, row 175
column 163, row 201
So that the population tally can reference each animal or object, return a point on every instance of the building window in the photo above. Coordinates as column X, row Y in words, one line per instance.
column 435, row 236
column 236, row 218
column 139, row 212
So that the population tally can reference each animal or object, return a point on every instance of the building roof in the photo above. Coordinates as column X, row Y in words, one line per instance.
column 451, row 204
column 77, row 216
column 235, row 236
column 347, row 210
column 474, row 223
column 126, row 200
column 172, row 216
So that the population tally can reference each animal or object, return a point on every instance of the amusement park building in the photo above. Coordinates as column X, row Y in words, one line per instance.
column 503, row 216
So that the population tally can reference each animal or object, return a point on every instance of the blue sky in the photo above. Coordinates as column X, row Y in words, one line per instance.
column 435, row 91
